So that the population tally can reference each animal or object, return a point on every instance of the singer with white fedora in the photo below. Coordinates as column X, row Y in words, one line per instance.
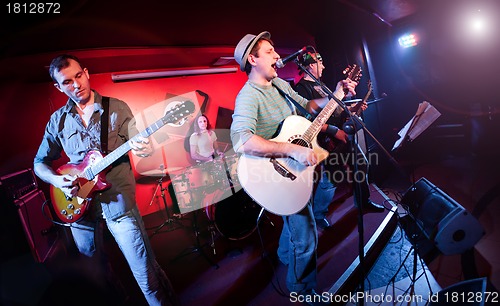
column 259, row 110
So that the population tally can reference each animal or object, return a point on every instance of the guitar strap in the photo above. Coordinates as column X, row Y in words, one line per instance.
column 104, row 125
column 302, row 110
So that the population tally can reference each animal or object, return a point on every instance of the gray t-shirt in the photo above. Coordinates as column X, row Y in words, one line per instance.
column 260, row 109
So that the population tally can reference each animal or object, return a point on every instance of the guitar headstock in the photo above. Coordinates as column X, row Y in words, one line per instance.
column 177, row 113
column 353, row 73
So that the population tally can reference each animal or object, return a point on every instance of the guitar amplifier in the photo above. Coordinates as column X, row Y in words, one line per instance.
column 40, row 233
column 18, row 184
column 23, row 227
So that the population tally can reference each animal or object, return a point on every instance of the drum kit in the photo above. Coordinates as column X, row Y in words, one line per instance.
column 214, row 188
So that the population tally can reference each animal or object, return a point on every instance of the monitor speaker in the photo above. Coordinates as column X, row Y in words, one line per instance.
column 40, row 233
column 442, row 220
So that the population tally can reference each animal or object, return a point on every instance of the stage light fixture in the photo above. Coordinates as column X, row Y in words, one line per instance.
column 408, row 40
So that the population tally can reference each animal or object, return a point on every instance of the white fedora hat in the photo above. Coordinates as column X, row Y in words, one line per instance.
column 244, row 47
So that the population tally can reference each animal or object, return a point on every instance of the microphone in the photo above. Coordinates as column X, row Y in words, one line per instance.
column 282, row 62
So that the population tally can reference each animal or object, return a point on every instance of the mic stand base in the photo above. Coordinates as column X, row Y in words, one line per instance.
column 197, row 247
column 169, row 222
column 413, row 277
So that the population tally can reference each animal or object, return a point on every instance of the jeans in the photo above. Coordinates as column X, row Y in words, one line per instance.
column 297, row 249
column 323, row 195
column 131, row 236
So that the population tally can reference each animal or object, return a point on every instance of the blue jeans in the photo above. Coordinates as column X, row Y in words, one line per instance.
column 131, row 236
column 297, row 249
column 323, row 195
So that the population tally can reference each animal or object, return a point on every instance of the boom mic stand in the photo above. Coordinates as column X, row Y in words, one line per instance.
column 350, row 129
column 169, row 221
column 416, row 234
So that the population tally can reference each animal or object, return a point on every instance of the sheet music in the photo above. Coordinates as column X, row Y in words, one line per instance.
column 426, row 114
column 425, row 119
column 402, row 134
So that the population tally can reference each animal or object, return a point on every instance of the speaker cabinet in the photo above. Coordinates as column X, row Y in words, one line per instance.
column 40, row 233
column 442, row 220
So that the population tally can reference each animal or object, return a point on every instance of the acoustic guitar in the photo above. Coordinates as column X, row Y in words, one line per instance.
column 283, row 186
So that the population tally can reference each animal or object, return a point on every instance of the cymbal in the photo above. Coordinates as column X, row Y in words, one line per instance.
column 151, row 179
column 152, row 176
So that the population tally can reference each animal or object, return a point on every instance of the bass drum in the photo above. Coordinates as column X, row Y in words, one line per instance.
column 235, row 217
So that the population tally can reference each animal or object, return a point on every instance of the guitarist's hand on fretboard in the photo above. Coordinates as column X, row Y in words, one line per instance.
column 358, row 107
column 349, row 87
column 141, row 146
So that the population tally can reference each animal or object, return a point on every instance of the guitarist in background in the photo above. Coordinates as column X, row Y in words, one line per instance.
column 75, row 129
column 258, row 112
column 325, row 189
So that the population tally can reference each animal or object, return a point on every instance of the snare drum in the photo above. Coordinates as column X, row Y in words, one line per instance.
column 235, row 217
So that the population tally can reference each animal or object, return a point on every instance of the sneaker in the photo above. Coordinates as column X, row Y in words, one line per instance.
column 370, row 207
column 322, row 223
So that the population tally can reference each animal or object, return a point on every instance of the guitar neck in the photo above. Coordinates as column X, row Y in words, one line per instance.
column 124, row 148
column 360, row 110
column 321, row 119
column 176, row 114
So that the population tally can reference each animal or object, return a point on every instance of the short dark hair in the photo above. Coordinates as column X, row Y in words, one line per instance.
column 255, row 51
column 60, row 62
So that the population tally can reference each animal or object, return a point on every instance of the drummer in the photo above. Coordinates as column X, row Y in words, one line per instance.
column 203, row 142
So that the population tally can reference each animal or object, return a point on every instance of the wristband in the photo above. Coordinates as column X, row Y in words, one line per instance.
column 331, row 130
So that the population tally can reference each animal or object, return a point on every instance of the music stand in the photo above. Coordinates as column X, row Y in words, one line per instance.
column 425, row 115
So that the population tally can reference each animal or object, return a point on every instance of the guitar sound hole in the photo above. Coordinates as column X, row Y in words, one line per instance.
column 301, row 142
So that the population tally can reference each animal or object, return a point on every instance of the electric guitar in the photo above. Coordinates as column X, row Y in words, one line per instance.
column 359, row 111
column 283, row 186
column 89, row 172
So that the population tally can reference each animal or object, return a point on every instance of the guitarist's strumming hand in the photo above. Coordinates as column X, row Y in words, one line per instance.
column 67, row 183
column 141, row 146
column 303, row 155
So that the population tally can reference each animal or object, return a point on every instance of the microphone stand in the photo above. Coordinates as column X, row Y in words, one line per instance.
column 350, row 129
